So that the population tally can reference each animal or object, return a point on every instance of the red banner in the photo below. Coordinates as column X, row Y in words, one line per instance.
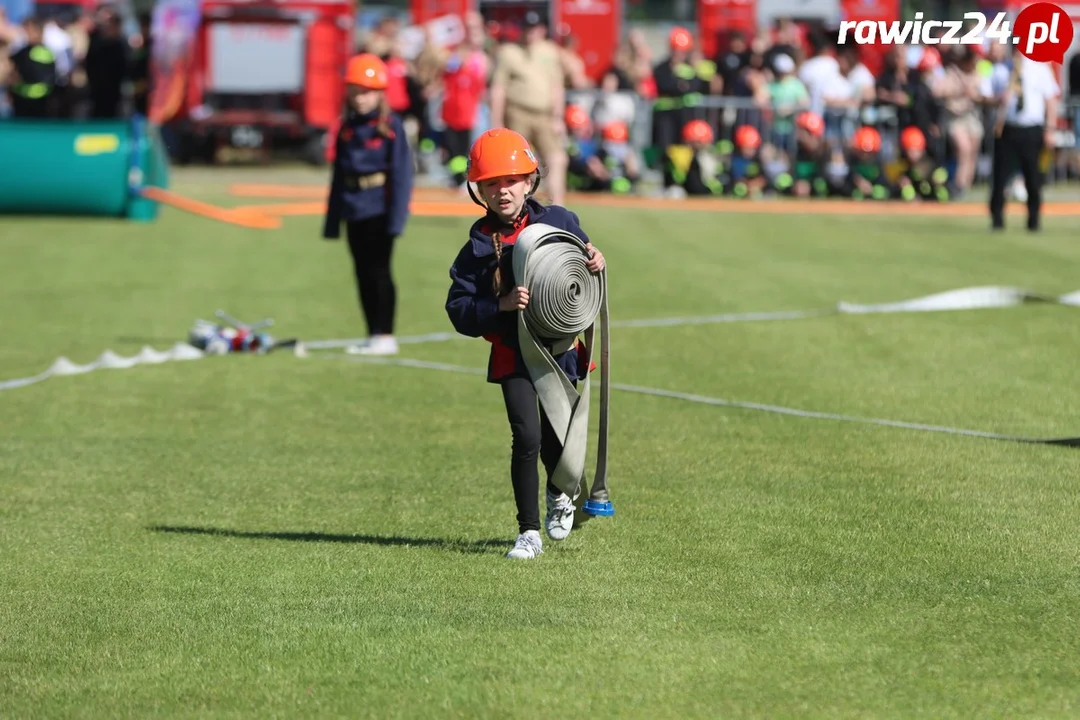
column 718, row 19
column 874, row 10
column 597, row 26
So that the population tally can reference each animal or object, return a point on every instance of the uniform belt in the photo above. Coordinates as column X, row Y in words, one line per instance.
column 565, row 299
column 365, row 182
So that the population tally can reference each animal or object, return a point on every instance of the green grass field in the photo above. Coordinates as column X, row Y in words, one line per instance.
column 284, row 537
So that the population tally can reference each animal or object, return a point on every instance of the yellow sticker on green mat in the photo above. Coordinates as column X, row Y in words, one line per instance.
column 96, row 144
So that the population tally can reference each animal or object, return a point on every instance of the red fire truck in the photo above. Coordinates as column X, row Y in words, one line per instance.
column 234, row 79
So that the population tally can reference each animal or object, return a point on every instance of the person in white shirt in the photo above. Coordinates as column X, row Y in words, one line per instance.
column 1027, row 114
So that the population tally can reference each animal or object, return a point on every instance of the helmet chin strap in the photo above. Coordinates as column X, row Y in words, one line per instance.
column 524, row 205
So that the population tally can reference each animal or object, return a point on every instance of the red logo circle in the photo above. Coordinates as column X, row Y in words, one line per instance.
column 1043, row 32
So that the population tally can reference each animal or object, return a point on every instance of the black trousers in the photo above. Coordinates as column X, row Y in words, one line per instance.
column 1017, row 146
column 371, row 247
column 457, row 145
column 533, row 437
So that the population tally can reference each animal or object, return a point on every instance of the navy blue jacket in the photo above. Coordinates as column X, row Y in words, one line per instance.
column 473, row 306
column 362, row 150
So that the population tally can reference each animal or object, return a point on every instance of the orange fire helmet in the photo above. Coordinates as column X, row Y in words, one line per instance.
column 747, row 136
column 576, row 117
column 866, row 139
column 697, row 131
column 616, row 132
column 912, row 139
column 681, row 39
column 367, row 71
column 811, row 122
column 500, row 152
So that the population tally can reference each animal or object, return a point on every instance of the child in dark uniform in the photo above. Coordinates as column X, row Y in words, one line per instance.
column 370, row 189
column 919, row 176
column 866, row 173
column 483, row 301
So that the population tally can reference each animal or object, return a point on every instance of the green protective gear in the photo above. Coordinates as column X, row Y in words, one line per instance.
column 684, row 71
column 943, row 193
column 924, row 187
column 427, row 145
column 716, row 187
column 741, row 190
column 940, row 176
column 784, row 181
column 706, row 70
column 42, row 55
column 908, row 193
column 880, row 192
column 31, row 91
column 621, row 186
column 458, row 164
column 693, row 99
column 821, row 187
column 726, row 147
column 856, row 194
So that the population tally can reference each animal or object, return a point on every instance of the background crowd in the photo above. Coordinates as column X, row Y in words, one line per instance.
column 659, row 96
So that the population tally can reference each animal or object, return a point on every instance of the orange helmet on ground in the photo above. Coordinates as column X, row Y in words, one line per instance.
column 697, row 131
column 500, row 152
column 576, row 117
column 367, row 71
column 866, row 139
column 747, row 136
column 912, row 139
column 811, row 122
column 616, row 132
column 681, row 39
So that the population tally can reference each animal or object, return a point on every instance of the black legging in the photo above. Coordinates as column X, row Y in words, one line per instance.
column 371, row 249
column 532, row 436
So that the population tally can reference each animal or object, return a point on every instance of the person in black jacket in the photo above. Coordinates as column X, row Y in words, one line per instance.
column 370, row 190
column 34, row 74
column 678, row 87
column 106, row 66
column 483, row 301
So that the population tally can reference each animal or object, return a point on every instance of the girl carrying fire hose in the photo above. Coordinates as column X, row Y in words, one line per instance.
column 370, row 189
column 483, row 302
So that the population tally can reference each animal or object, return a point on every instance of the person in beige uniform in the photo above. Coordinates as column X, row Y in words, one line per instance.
column 528, row 96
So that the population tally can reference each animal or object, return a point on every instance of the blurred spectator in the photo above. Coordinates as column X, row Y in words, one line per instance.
column 818, row 71
column 573, row 66
column 528, row 95
column 788, row 97
column 1074, row 99
column 925, row 111
column 106, row 65
column 464, row 82
column 959, row 91
column 33, row 73
column 678, row 87
column 613, row 104
column 893, row 87
column 382, row 40
column 785, row 40
column 140, row 66
column 861, row 79
column 59, row 43
column 751, row 84
column 729, row 64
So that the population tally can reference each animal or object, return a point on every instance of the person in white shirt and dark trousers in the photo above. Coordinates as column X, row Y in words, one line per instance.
column 1025, row 125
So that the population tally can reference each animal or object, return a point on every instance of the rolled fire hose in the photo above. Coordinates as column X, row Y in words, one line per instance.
column 565, row 299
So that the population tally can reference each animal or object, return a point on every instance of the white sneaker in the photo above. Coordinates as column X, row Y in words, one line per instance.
column 528, row 546
column 376, row 345
column 560, row 516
